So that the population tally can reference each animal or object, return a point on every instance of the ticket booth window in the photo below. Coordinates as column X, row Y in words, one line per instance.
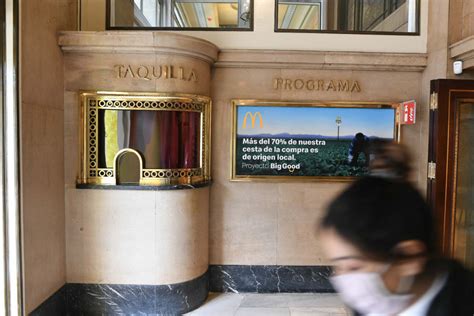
column 144, row 139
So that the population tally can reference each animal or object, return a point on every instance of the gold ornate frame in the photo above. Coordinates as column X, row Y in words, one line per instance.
column 91, row 102
column 252, row 102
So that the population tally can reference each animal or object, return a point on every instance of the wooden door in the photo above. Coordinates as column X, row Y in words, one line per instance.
column 451, row 166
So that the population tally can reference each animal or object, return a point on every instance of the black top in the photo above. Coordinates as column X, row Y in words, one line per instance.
column 456, row 298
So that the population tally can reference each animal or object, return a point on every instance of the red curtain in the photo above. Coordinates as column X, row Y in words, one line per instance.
column 166, row 139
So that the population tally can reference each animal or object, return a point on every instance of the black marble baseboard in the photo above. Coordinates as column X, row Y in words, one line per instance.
column 55, row 305
column 176, row 299
column 269, row 279
column 114, row 299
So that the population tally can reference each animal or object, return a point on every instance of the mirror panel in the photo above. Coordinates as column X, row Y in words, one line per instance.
column 180, row 14
column 348, row 16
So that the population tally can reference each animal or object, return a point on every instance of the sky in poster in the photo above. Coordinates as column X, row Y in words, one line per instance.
column 317, row 121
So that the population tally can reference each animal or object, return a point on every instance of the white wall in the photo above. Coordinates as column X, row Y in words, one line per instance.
column 264, row 37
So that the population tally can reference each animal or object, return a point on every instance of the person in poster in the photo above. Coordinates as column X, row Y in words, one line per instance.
column 360, row 144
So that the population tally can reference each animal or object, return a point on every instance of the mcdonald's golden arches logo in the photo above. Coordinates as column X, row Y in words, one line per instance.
column 253, row 117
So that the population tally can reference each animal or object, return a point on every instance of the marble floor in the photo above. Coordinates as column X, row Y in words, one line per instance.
column 219, row 304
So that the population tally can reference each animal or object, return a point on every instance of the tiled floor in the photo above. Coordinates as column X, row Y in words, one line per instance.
column 271, row 304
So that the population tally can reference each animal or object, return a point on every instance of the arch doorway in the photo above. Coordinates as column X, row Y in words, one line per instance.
column 128, row 167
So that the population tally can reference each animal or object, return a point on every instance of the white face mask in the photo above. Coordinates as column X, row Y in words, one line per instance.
column 366, row 293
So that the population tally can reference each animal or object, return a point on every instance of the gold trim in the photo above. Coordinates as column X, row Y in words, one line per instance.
column 445, row 236
column 452, row 207
column 91, row 102
column 253, row 102
column 455, row 163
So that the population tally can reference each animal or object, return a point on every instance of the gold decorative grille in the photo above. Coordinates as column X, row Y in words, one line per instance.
column 149, row 105
column 92, row 103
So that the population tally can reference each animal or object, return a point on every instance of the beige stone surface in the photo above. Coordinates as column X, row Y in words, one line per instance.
column 464, row 51
column 243, row 223
column 239, row 83
column 110, row 237
column 437, row 69
column 136, row 237
column 162, row 43
column 460, row 37
column 275, row 223
column 300, row 207
column 41, row 57
column 468, row 19
column 131, row 237
column 141, row 237
column 42, row 146
column 182, row 235
column 43, row 218
column 456, row 24
column 249, row 223
column 97, row 72
column 93, row 13
column 438, row 24
column 314, row 95
column 293, row 59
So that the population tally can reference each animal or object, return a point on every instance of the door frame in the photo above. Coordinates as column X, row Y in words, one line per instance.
column 445, row 95
column 11, row 261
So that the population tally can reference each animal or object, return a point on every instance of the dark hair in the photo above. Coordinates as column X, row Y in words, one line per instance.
column 390, row 159
column 375, row 214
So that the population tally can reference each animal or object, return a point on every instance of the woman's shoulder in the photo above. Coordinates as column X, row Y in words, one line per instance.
column 457, row 294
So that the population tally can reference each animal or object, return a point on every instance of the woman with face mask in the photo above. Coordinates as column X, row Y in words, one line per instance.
column 379, row 236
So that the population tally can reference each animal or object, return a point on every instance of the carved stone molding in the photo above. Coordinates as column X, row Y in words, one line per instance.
column 177, row 44
column 321, row 60
column 464, row 50
column 138, row 42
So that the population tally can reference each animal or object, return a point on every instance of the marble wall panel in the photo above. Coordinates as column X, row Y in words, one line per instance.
column 281, row 230
column 43, row 222
column 93, row 72
column 243, row 82
column 269, row 279
column 300, row 207
column 304, row 94
column 243, row 223
column 181, row 234
column 41, row 56
column 123, row 236
column 136, row 237
column 438, row 38
column 250, row 223
column 111, row 237
column 97, row 71
column 126, row 299
column 42, row 147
